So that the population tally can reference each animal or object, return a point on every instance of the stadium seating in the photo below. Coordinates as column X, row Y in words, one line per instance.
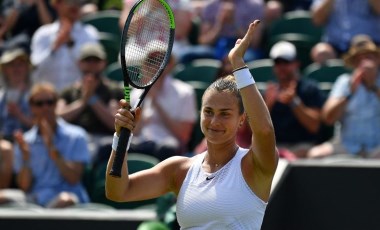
column 136, row 162
column 114, row 72
column 204, row 70
column 262, row 70
column 298, row 21
column 105, row 21
column 326, row 74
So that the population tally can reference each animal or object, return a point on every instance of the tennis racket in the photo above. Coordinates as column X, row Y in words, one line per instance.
column 146, row 45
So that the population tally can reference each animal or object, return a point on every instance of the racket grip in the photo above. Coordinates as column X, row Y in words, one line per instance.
column 120, row 152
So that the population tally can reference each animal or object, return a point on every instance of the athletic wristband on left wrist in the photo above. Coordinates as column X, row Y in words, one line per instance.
column 115, row 141
column 243, row 78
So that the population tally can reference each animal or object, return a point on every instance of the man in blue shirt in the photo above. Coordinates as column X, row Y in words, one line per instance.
column 51, row 156
column 354, row 102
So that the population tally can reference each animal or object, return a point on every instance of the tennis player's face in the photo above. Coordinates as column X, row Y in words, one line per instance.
column 220, row 116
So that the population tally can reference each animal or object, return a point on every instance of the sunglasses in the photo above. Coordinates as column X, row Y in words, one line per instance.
column 40, row 103
column 92, row 59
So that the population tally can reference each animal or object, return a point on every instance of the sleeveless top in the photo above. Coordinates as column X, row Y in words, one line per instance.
column 219, row 200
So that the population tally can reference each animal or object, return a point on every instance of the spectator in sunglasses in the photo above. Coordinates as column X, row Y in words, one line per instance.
column 51, row 156
column 294, row 103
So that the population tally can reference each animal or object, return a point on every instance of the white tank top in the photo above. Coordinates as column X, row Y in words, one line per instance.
column 219, row 200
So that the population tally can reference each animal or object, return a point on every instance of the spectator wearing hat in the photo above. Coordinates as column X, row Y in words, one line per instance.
column 14, row 107
column 91, row 102
column 55, row 47
column 294, row 102
column 354, row 102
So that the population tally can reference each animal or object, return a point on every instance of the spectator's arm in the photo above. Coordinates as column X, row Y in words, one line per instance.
column 322, row 12
column 6, row 162
column 43, row 12
column 71, row 171
column 69, row 112
column 308, row 117
column 105, row 112
column 333, row 109
column 9, row 22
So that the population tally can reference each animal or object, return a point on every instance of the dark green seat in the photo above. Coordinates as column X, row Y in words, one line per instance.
column 111, row 45
column 298, row 21
column 105, row 21
column 262, row 70
column 136, row 162
column 326, row 74
column 114, row 72
column 204, row 70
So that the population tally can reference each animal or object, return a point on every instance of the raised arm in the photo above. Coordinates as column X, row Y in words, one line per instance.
column 322, row 12
column 263, row 147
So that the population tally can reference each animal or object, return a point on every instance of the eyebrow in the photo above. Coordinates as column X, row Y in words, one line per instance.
column 223, row 110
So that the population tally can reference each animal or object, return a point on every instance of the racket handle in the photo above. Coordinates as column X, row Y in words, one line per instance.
column 120, row 152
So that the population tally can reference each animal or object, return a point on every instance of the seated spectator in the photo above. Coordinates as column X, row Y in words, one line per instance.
column 223, row 21
column 22, row 19
column 321, row 52
column 344, row 19
column 294, row 102
column 14, row 106
column 162, row 131
column 6, row 162
column 51, row 156
column 55, row 47
column 91, row 102
column 354, row 102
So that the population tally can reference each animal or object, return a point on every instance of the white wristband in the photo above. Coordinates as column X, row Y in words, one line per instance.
column 243, row 78
column 115, row 141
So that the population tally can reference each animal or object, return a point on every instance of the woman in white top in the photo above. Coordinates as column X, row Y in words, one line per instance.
column 226, row 187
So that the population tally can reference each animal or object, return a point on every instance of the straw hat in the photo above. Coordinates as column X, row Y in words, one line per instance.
column 360, row 44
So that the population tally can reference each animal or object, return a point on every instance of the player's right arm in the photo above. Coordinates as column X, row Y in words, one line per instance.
column 165, row 177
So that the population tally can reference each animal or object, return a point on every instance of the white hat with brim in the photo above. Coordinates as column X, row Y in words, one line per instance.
column 12, row 54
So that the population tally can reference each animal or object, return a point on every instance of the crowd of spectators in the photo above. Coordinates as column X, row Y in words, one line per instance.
column 46, row 41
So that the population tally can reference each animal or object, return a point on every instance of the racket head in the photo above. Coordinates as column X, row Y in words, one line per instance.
column 147, row 42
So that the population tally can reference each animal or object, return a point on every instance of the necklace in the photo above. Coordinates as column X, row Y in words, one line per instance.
column 217, row 165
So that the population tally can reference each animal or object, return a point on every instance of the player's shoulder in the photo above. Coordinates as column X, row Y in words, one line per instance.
column 179, row 164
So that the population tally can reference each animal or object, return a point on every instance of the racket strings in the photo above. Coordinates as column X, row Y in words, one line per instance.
column 148, row 39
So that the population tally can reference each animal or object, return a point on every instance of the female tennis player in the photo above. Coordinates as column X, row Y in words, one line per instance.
column 226, row 187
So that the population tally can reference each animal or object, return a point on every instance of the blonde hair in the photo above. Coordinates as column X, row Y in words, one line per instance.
column 227, row 84
column 42, row 88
